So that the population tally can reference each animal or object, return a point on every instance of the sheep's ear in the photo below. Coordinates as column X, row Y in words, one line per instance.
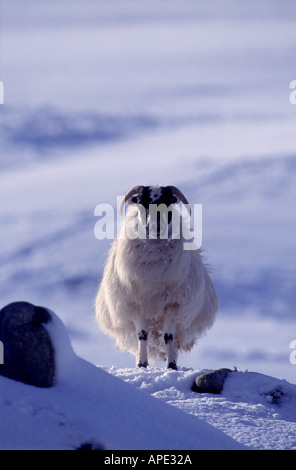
column 131, row 197
column 132, row 200
column 129, row 201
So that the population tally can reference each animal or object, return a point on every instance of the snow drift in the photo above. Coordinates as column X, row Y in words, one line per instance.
column 143, row 409
column 89, row 405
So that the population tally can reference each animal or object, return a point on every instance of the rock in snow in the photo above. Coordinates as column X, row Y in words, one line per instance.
column 210, row 382
column 29, row 355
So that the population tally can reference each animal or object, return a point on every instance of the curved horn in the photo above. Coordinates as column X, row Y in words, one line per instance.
column 129, row 194
column 180, row 196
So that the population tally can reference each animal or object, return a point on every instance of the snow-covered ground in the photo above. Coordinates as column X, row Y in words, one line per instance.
column 103, row 96
column 155, row 410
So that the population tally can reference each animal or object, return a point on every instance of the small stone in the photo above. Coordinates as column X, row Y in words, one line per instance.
column 28, row 351
column 90, row 446
column 210, row 382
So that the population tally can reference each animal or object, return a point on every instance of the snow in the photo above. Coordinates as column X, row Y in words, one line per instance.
column 102, row 410
column 143, row 409
column 105, row 96
column 256, row 410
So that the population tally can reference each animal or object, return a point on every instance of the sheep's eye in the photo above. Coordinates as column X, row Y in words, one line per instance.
column 174, row 200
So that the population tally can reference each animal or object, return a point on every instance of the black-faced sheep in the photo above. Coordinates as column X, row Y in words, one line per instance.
column 156, row 298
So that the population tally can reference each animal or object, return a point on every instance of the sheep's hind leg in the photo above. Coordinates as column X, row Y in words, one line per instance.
column 142, row 351
column 171, row 360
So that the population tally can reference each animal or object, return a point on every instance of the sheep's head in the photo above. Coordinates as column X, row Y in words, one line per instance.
column 155, row 206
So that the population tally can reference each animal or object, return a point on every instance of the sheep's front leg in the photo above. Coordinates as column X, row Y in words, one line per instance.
column 170, row 351
column 142, row 346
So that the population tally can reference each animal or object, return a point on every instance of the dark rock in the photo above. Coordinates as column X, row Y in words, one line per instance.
column 210, row 382
column 90, row 446
column 275, row 396
column 28, row 350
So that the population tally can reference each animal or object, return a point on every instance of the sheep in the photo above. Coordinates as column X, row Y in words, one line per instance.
column 155, row 298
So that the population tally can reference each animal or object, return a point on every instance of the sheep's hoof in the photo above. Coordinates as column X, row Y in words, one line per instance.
column 142, row 364
column 172, row 365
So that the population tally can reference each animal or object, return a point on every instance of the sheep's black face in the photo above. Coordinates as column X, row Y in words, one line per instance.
column 153, row 209
column 154, row 195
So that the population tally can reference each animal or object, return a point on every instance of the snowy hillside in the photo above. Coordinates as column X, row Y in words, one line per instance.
column 102, row 411
column 156, row 409
column 105, row 95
